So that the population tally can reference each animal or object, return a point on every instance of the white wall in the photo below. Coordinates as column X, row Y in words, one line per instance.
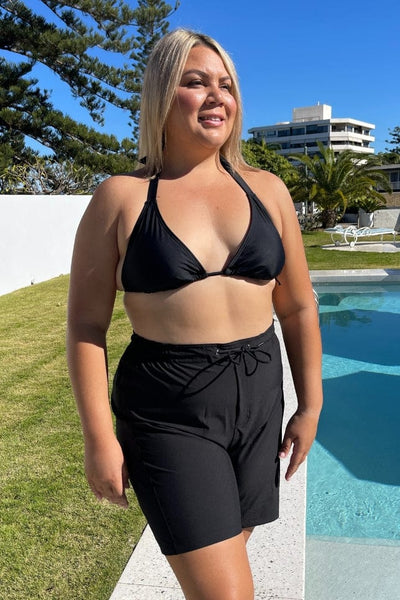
column 387, row 217
column 36, row 237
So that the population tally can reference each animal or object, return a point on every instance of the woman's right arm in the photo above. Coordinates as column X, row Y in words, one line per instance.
column 90, row 305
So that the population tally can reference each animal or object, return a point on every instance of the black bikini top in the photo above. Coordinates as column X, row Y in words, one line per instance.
column 157, row 260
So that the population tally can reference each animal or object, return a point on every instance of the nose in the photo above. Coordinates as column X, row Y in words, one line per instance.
column 214, row 95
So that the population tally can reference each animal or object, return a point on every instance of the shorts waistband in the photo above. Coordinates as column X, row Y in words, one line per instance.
column 167, row 349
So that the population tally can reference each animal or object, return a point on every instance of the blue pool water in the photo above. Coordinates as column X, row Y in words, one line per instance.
column 353, row 488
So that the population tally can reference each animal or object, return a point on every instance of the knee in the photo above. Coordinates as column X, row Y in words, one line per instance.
column 243, row 592
column 227, row 594
column 217, row 572
column 240, row 588
column 237, row 587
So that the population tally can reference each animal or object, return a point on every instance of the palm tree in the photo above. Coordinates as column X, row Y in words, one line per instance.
column 335, row 181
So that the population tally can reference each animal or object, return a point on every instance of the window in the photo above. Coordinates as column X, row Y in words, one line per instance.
column 271, row 132
column 394, row 177
column 298, row 130
column 317, row 128
column 283, row 132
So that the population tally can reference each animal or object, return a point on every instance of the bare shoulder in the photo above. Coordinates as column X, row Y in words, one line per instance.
column 265, row 183
column 273, row 193
column 115, row 192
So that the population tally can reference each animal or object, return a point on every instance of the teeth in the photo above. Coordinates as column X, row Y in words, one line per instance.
column 210, row 118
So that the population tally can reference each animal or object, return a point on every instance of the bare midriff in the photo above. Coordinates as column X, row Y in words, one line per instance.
column 217, row 309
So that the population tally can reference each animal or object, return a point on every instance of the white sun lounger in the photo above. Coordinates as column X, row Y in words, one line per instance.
column 351, row 234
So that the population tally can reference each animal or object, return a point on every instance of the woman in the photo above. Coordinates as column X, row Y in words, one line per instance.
column 205, row 248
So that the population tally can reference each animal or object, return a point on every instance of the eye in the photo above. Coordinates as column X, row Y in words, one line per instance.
column 226, row 84
column 194, row 83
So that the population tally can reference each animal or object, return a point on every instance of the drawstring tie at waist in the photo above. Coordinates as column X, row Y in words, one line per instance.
column 237, row 356
column 225, row 358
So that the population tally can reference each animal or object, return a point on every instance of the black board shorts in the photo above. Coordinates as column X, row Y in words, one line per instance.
column 200, row 429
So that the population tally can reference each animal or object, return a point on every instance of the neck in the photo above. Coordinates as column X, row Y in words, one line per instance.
column 179, row 164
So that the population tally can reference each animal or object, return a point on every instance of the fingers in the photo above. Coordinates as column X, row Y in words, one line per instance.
column 113, row 489
column 106, row 472
column 119, row 499
column 285, row 446
column 111, row 493
column 298, row 455
column 299, row 435
column 296, row 460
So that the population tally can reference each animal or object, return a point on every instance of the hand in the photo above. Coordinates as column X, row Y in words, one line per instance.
column 300, row 432
column 106, row 471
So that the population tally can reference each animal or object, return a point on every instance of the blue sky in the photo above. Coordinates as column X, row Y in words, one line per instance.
column 292, row 54
column 297, row 53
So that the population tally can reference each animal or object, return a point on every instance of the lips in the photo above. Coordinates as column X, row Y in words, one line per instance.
column 215, row 118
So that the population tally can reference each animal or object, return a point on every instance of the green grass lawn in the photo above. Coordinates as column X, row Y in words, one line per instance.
column 56, row 541
column 336, row 259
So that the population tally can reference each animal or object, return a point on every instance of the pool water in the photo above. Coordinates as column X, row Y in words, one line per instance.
column 353, row 487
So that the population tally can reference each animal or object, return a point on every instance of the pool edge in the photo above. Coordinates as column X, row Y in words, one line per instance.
column 356, row 275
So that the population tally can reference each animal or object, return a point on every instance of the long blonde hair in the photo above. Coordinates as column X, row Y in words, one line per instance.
column 161, row 79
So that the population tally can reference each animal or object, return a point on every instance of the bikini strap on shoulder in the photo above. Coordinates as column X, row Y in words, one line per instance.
column 239, row 180
column 152, row 190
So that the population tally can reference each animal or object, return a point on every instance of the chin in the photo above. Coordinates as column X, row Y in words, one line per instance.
column 216, row 141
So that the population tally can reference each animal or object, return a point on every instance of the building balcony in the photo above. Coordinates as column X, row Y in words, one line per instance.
column 349, row 146
column 350, row 136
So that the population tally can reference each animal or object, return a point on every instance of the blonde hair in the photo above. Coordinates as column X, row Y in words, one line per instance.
column 162, row 76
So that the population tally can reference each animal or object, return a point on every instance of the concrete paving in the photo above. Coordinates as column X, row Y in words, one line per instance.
column 276, row 550
column 341, row 569
column 365, row 247
column 354, row 276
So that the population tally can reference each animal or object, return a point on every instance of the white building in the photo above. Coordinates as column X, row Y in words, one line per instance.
column 393, row 173
column 312, row 124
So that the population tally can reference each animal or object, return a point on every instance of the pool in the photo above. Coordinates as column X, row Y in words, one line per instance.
column 353, row 481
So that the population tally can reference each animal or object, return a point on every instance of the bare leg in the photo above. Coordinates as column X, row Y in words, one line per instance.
column 217, row 572
column 247, row 533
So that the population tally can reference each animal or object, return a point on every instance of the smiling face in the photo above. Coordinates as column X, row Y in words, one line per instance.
column 204, row 108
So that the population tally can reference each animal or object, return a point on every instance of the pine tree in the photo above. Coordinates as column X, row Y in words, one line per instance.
column 151, row 22
column 395, row 141
column 80, row 42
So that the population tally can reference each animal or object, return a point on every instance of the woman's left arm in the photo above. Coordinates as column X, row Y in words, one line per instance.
column 296, row 309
